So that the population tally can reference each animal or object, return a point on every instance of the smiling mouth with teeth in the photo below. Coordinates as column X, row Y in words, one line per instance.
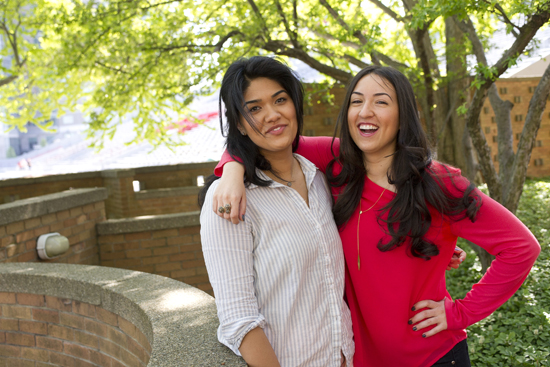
column 366, row 128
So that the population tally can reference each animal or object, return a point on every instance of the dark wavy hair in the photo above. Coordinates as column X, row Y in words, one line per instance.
column 412, row 172
column 235, row 82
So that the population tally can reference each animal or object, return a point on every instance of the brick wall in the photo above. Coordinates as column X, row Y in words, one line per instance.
column 320, row 116
column 122, row 201
column 43, row 331
column 519, row 91
column 22, row 188
column 165, row 201
column 167, row 245
column 179, row 175
column 73, row 214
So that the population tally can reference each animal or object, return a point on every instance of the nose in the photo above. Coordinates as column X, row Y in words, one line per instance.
column 366, row 111
column 272, row 114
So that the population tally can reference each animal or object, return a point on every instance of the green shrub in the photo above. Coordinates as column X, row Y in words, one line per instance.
column 518, row 333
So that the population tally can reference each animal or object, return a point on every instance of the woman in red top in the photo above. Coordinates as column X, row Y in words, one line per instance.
column 400, row 214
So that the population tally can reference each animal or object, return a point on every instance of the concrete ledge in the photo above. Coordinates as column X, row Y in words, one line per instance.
column 176, row 167
column 178, row 320
column 51, row 178
column 148, row 223
column 163, row 193
column 116, row 173
column 51, row 203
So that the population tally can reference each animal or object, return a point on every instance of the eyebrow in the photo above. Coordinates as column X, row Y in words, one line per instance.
column 376, row 94
column 272, row 96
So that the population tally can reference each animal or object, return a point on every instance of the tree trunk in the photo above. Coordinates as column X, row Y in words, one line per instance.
column 516, row 179
column 505, row 135
column 485, row 258
column 455, row 147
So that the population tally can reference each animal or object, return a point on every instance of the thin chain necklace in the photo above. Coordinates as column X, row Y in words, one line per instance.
column 359, row 221
column 288, row 183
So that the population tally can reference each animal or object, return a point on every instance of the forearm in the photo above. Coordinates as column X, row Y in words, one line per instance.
column 233, row 170
column 257, row 351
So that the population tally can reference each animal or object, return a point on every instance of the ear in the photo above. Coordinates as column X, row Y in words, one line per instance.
column 242, row 131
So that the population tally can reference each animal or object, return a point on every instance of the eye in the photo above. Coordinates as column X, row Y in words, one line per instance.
column 356, row 101
column 280, row 100
column 382, row 102
column 254, row 108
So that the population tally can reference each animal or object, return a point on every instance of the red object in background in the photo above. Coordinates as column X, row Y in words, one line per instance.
column 189, row 123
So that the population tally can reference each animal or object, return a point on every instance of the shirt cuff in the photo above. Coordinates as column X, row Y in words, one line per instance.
column 232, row 334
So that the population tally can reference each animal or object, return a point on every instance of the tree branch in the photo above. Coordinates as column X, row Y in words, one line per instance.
column 472, row 118
column 219, row 45
column 295, row 15
column 388, row 11
column 259, row 15
column 505, row 17
column 347, row 57
column 292, row 35
column 424, row 59
column 527, row 32
column 357, row 34
column 382, row 57
column 505, row 135
column 467, row 27
column 8, row 80
column 480, row 143
column 389, row 61
column 111, row 68
column 279, row 48
column 330, row 37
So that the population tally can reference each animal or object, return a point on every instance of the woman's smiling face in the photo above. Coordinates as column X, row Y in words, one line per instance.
column 274, row 115
column 373, row 116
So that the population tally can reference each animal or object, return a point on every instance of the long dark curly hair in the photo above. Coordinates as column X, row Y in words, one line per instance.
column 412, row 172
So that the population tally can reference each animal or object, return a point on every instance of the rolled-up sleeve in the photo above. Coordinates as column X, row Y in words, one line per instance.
column 228, row 254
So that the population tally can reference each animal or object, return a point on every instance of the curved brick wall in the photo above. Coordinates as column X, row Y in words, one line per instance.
column 38, row 330
column 85, row 315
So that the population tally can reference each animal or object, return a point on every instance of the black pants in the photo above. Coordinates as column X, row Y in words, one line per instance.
column 457, row 357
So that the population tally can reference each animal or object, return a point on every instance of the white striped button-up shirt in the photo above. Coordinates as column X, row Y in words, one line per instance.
column 282, row 269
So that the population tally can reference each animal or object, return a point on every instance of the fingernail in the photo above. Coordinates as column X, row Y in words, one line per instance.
column 414, row 328
column 243, row 217
column 423, row 335
column 413, row 308
column 410, row 322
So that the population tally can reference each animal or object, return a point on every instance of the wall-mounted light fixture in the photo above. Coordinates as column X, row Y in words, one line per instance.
column 51, row 245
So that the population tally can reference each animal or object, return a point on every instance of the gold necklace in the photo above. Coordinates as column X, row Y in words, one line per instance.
column 359, row 221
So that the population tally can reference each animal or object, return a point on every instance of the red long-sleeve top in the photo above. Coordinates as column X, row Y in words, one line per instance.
column 382, row 293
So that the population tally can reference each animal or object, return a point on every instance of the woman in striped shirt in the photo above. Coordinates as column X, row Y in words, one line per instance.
column 278, row 277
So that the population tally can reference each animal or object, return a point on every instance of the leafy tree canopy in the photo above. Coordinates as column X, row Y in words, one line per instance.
column 149, row 58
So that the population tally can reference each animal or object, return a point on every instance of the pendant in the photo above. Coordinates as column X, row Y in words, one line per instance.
column 289, row 184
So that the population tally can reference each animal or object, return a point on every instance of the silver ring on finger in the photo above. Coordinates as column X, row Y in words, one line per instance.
column 221, row 209
column 227, row 208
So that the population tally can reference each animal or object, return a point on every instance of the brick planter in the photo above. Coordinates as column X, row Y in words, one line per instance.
column 50, row 331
